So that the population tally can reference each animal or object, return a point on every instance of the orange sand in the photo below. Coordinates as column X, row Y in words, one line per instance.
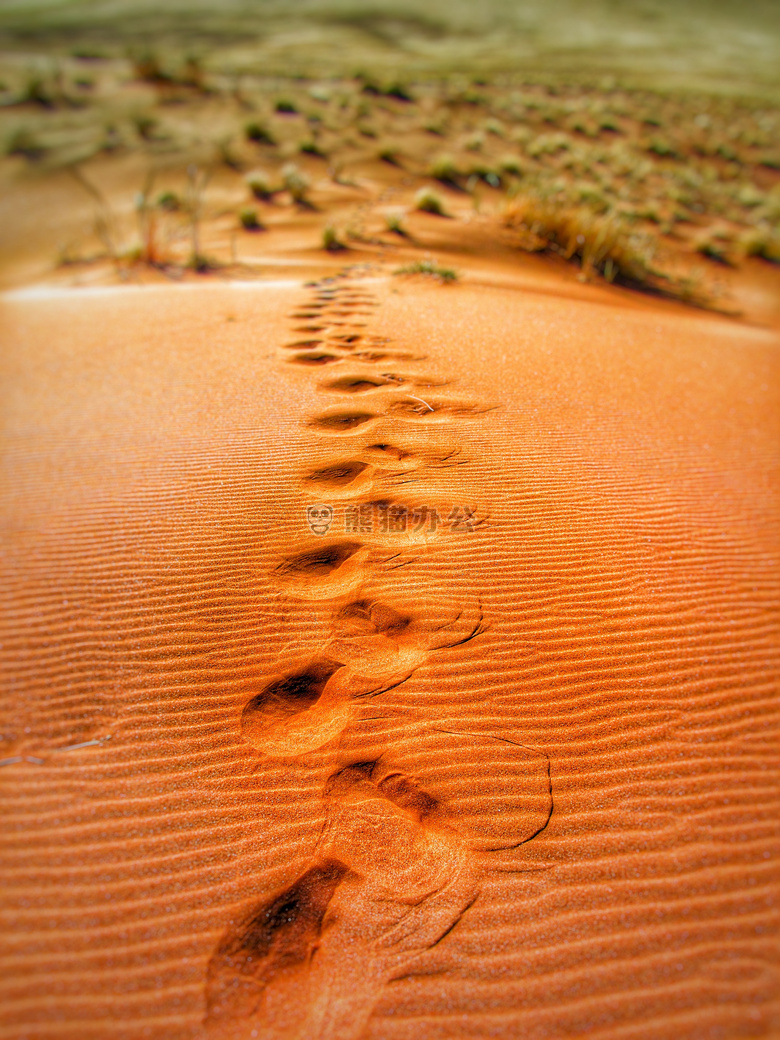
column 514, row 776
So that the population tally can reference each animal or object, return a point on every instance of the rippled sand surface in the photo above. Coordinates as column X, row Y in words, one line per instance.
column 388, row 660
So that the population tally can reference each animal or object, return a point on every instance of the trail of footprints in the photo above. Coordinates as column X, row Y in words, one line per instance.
column 410, row 827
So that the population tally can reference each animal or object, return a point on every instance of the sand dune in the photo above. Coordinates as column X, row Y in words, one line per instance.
column 388, row 660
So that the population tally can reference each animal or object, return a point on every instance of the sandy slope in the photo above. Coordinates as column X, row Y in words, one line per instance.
column 495, row 756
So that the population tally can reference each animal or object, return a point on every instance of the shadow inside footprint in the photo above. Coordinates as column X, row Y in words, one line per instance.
column 314, row 359
column 356, row 384
column 337, row 476
column 319, row 562
column 274, row 940
column 337, row 422
column 284, row 698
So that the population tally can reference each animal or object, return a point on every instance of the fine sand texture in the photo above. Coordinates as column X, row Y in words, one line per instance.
column 388, row 660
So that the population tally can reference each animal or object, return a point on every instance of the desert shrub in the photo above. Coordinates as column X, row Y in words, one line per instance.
column 444, row 169
column 331, row 240
column 258, row 133
column 296, row 183
column 602, row 245
column 430, row 268
column 311, row 147
column 395, row 222
column 428, row 201
column 169, row 200
column 762, row 241
column 249, row 220
column 284, row 106
column 259, row 184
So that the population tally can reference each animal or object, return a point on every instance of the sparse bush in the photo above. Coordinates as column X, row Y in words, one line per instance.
column 310, row 147
column 250, row 220
column 23, row 142
column 331, row 240
column 259, row 185
column 145, row 126
column 148, row 69
column 601, row 245
column 389, row 155
column 443, row 168
column 395, row 222
column 258, row 133
column 284, row 106
column 296, row 183
column 428, row 201
column 169, row 200
column 430, row 268
column 763, row 242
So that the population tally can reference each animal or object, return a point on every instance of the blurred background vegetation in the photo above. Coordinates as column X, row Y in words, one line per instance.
column 715, row 45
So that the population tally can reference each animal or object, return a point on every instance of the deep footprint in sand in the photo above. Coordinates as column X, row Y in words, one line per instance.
column 330, row 569
column 301, row 711
column 341, row 422
column 310, row 962
column 315, row 359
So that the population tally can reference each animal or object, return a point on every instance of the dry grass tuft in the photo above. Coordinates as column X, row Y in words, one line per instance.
column 603, row 246
column 428, row 201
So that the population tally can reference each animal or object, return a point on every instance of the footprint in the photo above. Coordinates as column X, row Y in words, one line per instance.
column 338, row 476
column 303, row 711
column 356, row 384
column 328, row 570
column 315, row 359
column 272, row 946
column 379, row 640
column 303, row 344
column 341, row 422
column 490, row 791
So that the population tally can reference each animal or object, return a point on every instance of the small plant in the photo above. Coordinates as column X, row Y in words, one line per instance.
column 389, row 155
column 227, row 156
column 296, row 183
column 310, row 147
column 258, row 133
column 432, row 269
column 601, row 245
column 250, row 220
column 763, row 242
column 22, row 142
column 284, row 106
column 145, row 126
column 148, row 69
column 331, row 240
column 398, row 90
column 37, row 91
column 443, row 168
column 259, row 185
column 428, row 201
column 716, row 245
column 395, row 222
column 169, row 201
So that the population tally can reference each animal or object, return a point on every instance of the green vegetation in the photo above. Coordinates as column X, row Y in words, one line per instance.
column 600, row 245
column 297, row 184
column 430, row 268
column 249, row 220
column 331, row 240
column 428, row 201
